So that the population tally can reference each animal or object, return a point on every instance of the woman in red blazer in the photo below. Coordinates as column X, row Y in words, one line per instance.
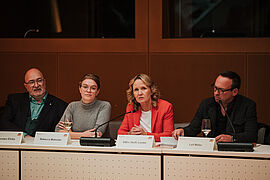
column 153, row 116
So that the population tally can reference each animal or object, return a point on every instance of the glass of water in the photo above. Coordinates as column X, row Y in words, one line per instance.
column 206, row 126
column 68, row 122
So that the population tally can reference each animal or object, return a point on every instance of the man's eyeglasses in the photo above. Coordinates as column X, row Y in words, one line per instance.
column 38, row 81
column 221, row 91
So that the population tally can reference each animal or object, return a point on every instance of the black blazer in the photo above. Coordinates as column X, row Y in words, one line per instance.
column 243, row 117
column 17, row 110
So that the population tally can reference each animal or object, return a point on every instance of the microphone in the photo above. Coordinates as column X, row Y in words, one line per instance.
column 30, row 30
column 100, row 141
column 229, row 119
column 133, row 111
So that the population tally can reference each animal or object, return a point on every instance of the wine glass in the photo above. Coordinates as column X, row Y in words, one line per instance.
column 67, row 123
column 206, row 126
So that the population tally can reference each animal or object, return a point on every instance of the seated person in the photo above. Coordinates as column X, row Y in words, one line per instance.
column 240, row 110
column 36, row 110
column 88, row 113
column 153, row 116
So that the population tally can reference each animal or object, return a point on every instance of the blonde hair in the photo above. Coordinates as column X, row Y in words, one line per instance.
column 148, row 82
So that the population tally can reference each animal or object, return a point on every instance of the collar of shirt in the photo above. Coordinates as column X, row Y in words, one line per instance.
column 229, row 106
column 32, row 99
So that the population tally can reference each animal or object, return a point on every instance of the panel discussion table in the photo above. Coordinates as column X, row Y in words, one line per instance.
column 33, row 162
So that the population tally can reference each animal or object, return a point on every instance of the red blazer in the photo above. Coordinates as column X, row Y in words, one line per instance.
column 162, row 123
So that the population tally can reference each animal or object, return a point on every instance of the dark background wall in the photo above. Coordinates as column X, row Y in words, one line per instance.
column 183, row 68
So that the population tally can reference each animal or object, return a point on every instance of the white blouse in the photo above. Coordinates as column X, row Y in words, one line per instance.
column 145, row 120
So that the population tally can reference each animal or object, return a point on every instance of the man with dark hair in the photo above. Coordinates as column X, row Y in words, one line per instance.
column 236, row 80
column 35, row 110
column 240, row 110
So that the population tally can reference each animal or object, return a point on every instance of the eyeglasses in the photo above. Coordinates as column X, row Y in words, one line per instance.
column 90, row 88
column 222, row 91
column 39, row 81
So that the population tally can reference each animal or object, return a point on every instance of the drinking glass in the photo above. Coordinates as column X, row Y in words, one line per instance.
column 68, row 122
column 206, row 126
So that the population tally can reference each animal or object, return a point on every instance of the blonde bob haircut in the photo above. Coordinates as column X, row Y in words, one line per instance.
column 148, row 82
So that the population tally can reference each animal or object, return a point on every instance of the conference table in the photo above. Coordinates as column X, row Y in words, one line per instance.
column 29, row 161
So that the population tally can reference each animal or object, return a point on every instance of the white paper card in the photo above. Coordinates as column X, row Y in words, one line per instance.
column 52, row 138
column 168, row 141
column 195, row 143
column 9, row 137
column 135, row 141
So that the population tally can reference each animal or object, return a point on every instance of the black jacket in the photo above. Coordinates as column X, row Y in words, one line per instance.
column 243, row 116
column 17, row 110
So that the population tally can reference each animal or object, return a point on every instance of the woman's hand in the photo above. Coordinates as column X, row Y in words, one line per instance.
column 62, row 127
column 136, row 130
column 91, row 133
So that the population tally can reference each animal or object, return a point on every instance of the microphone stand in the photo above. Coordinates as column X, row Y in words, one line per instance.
column 112, row 120
column 229, row 119
column 100, row 141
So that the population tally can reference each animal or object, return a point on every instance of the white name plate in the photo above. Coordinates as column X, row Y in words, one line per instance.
column 52, row 138
column 8, row 137
column 195, row 144
column 168, row 141
column 135, row 141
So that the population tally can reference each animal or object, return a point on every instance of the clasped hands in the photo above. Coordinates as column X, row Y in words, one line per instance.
column 136, row 130
column 220, row 138
column 87, row 133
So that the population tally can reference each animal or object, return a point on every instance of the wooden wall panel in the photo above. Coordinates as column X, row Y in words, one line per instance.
column 258, row 86
column 14, row 65
column 115, row 71
column 185, row 79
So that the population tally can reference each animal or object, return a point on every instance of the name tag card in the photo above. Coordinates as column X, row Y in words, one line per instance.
column 52, row 138
column 195, row 144
column 8, row 137
column 135, row 141
column 168, row 141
